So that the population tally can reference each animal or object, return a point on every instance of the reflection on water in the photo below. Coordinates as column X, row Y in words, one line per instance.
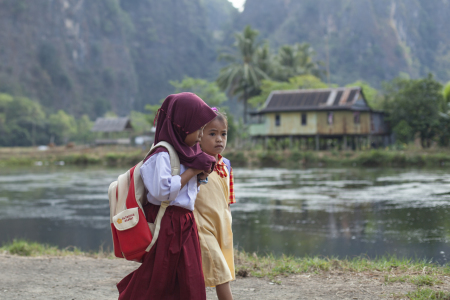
column 330, row 212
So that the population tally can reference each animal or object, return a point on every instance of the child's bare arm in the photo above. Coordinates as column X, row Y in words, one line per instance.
column 187, row 175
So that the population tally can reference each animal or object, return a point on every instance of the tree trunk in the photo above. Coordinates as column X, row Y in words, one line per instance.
column 33, row 134
column 245, row 106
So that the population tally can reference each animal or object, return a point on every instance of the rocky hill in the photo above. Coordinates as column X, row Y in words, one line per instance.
column 92, row 56
column 373, row 40
column 87, row 56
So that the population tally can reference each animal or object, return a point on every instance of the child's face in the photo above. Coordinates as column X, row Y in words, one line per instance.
column 194, row 137
column 214, row 140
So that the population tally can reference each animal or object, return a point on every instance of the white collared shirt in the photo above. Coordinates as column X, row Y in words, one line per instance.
column 162, row 186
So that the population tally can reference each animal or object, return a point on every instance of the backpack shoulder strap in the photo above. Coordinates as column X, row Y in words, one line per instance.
column 175, row 166
column 174, row 159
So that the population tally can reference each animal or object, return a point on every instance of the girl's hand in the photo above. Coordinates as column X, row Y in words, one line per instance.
column 195, row 171
column 188, row 174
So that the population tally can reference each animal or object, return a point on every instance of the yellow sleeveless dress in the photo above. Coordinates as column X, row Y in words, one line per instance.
column 213, row 219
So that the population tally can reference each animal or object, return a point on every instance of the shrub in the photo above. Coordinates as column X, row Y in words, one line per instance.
column 296, row 156
column 373, row 158
column 270, row 159
column 237, row 158
column 81, row 159
column 310, row 157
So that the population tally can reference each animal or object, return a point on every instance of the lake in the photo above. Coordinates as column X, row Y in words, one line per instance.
column 342, row 212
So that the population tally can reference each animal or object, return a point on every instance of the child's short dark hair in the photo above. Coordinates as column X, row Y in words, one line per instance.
column 221, row 116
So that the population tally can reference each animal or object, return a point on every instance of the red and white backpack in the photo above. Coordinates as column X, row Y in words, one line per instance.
column 132, row 235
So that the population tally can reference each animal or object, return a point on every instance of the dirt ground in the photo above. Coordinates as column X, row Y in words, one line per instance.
column 78, row 277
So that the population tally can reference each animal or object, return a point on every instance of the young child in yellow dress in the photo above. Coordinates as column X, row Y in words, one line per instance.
column 212, row 211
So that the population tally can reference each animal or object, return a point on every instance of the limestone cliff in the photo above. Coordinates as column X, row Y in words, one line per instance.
column 89, row 56
column 373, row 40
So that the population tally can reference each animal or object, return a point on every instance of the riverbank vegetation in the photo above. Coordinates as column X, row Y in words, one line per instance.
column 423, row 274
column 256, row 158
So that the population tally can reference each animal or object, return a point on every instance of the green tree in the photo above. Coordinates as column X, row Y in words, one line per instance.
column 140, row 122
column 265, row 60
column 62, row 126
column 83, row 131
column 444, row 121
column 152, row 109
column 446, row 92
column 208, row 91
column 294, row 83
column 23, row 119
column 243, row 74
column 373, row 97
column 403, row 132
column 444, row 130
column 110, row 114
column 5, row 100
column 417, row 104
column 294, row 60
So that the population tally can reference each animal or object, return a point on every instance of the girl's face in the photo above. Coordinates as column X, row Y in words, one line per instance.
column 215, row 139
column 194, row 137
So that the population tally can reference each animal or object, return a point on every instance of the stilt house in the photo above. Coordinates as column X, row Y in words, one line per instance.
column 320, row 119
column 113, row 131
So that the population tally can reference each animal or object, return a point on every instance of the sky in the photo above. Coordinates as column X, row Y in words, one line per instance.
column 239, row 4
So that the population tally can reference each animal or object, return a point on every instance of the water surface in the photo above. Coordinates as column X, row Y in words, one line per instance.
column 329, row 212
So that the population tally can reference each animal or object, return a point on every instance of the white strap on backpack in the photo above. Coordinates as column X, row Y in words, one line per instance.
column 175, row 167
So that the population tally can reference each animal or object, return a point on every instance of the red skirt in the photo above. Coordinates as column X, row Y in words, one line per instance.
column 172, row 269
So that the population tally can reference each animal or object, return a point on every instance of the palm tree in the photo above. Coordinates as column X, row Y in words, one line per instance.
column 244, row 72
column 296, row 60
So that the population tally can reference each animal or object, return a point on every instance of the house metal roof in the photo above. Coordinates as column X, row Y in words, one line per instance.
column 351, row 98
column 112, row 125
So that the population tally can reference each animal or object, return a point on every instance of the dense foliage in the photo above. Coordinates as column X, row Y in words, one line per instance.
column 23, row 122
column 414, row 107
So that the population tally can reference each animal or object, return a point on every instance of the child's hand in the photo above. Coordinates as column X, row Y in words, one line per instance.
column 196, row 171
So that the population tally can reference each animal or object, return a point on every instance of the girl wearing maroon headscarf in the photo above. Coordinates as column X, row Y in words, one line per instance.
column 172, row 269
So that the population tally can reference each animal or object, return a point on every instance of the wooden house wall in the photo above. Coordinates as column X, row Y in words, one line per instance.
column 317, row 123
column 378, row 124
column 291, row 123
column 343, row 123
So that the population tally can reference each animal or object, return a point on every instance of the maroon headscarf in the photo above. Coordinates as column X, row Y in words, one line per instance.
column 180, row 115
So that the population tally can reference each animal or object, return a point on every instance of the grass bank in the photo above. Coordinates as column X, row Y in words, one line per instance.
column 126, row 156
column 79, row 156
column 424, row 275
column 368, row 158
column 28, row 248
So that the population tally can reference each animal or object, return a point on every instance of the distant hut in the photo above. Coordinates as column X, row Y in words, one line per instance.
column 321, row 119
column 113, row 131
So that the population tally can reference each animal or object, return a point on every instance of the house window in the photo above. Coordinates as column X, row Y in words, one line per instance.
column 330, row 118
column 304, row 119
column 356, row 117
column 277, row 120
